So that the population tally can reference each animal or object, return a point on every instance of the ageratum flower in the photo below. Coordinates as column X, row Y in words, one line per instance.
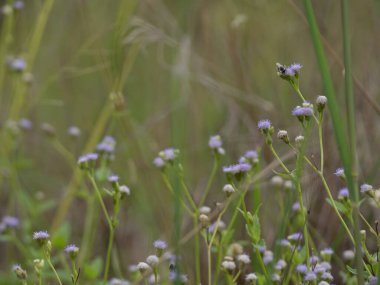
column 343, row 193
column 302, row 112
column 72, row 250
column 10, row 221
column 264, row 125
column 41, row 237
column 364, row 188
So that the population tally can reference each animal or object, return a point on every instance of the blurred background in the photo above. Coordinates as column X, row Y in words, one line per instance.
column 155, row 74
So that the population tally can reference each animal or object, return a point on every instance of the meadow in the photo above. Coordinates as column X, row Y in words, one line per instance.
column 189, row 142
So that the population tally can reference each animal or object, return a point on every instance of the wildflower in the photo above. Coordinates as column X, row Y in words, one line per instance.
column 160, row 246
column 204, row 219
column 168, row 154
column 343, row 194
column 288, row 72
column 204, row 210
column 302, row 113
column 277, row 181
column 372, row 280
column 314, row 259
column 41, row 237
column 283, row 135
column 107, row 145
column 228, row 189
column 264, row 125
column 244, row 259
column 237, row 170
column 326, row 265
column 296, row 206
column 229, row 266
column 18, row 64
column 280, row 265
column 152, row 260
column 113, row 178
column 321, row 103
column 18, row 5
column 295, row 237
column 275, row 277
column 301, row 268
column 20, row 273
column 143, row 267
column 319, row 269
column 339, row 172
column 268, row 257
column 251, row 278
column 348, row 255
column 310, row 276
column 288, row 184
column 327, row 276
column 326, row 253
column 285, row 243
column 25, row 124
column 72, row 250
column 132, row 268
column 87, row 159
column 299, row 140
column 124, row 190
column 10, row 221
column 215, row 143
column 74, row 131
column 364, row 188
column 159, row 162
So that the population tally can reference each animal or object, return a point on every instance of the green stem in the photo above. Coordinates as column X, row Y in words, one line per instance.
column 210, row 180
column 279, row 159
column 108, row 258
column 197, row 251
column 52, row 268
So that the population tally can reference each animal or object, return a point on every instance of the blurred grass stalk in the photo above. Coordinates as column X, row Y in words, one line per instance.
column 347, row 151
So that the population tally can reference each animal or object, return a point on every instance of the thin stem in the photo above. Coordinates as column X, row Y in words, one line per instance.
column 197, row 251
column 279, row 159
column 320, row 136
column 52, row 268
column 209, row 182
column 109, row 250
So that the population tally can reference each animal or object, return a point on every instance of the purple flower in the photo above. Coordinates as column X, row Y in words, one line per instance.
column 327, row 251
column 169, row 153
column 296, row 206
column 107, row 145
column 295, row 237
column 268, row 257
column 87, row 158
column 302, row 111
column 10, row 221
column 215, row 142
column 18, row 5
column 280, row 265
column 264, row 124
column 339, row 172
column 113, row 178
column 327, row 276
column 343, row 193
column 159, row 162
column 314, row 259
column 160, row 244
column 310, row 276
column 41, row 235
column 25, row 124
column 296, row 67
column 251, row 154
column 301, row 268
column 92, row 156
column 237, row 168
column 364, row 188
column 18, row 64
column 71, row 248
column 285, row 243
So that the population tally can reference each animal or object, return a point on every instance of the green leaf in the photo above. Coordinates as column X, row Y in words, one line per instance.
column 93, row 269
column 61, row 237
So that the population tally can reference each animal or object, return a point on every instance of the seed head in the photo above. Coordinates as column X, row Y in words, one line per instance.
column 283, row 135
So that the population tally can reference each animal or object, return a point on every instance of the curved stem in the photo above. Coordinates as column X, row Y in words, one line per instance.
column 52, row 268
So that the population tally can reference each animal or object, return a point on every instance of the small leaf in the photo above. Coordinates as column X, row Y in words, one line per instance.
column 93, row 269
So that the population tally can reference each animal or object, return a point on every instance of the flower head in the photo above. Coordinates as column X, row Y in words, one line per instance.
column 124, row 190
column 302, row 112
column 41, row 237
column 339, row 172
column 160, row 244
column 301, row 268
column 310, row 276
column 74, row 131
column 364, row 188
column 215, row 142
column 343, row 193
column 25, row 124
column 113, row 178
column 72, row 250
column 10, row 221
column 159, row 162
column 264, row 125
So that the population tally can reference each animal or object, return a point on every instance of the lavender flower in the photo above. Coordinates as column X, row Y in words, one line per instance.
column 296, row 206
column 287, row 72
column 314, row 259
column 251, row 278
column 339, row 172
column 10, row 221
column 215, row 142
column 280, row 265
column 113, row 178
column 302, row 112
column 327, row 276
column 116, row 281
column 268, row 257
column 169, row 154
column 107, row 145
column 25, row 124
column 264, row 125
column 18, row 64
column 301, row 268
column 159, row 162
column 310, row 276
column 18, row 5
column 72, row 250
column 295, row 237
column 364, row 188
column 160, row 244
column 343, row 193
column 41, row 237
